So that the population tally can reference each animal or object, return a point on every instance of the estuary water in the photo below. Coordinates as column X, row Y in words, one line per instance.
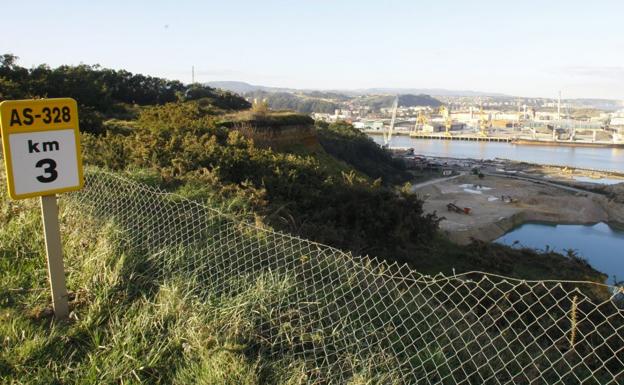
column 611, row 159
column 600, row 244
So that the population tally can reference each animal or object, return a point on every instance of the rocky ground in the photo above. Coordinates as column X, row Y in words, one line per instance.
column 498, row 204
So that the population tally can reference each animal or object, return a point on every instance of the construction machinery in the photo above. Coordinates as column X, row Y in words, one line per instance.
column 457, row 209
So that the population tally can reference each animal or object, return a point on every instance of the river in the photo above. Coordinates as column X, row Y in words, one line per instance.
column 611, row 159
column 600, row 244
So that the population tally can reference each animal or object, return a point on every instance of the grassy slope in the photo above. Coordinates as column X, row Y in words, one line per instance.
column 122, row 329
column 126, row 327
column 131, row 325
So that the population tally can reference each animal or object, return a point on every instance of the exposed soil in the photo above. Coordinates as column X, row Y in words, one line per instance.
column 498, row 204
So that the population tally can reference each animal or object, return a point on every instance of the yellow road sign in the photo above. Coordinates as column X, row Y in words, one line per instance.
column 41, row 145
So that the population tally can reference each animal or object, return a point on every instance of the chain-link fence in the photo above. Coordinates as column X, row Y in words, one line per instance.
column 343, row 316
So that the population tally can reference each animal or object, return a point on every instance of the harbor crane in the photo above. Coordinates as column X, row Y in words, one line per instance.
column 387, row 136
column 448, row 122
column 484, row 123
column 421, row 121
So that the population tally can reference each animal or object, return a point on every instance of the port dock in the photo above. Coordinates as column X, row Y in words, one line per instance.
column 473, row 138
column 513, row 138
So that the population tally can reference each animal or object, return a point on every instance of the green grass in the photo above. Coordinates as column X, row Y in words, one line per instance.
column 127, row 324
column 123, row 328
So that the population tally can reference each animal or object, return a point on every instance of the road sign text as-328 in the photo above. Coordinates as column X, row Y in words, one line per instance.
column 41, row 145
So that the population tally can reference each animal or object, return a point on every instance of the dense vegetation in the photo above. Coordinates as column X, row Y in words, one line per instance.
column 293, row 192
column 102, row 92
column 350, row 145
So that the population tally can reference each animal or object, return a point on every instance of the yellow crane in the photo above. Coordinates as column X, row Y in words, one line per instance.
column 421, row 121
column 484, row 123
column 448, row 122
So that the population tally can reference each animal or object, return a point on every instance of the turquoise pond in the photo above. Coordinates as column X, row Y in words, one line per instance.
column 600, row 244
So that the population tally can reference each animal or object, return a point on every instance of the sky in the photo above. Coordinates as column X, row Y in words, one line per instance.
column 520, row 48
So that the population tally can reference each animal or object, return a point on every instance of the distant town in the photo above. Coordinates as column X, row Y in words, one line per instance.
column 538, row 119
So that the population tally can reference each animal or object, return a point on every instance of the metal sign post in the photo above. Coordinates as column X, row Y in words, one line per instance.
column 54, row 250
column 41, row 145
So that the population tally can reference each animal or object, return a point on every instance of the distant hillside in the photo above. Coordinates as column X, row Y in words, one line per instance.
column 318, row 101
column 600, row 104
column 296, row 102
column 384, row 101
column 327, row 95
column 242, row 87
column 410, row 100
column 427, row 91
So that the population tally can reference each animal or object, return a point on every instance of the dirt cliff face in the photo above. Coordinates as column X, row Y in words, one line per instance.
column 488, row 231
column 282, row 137
column 611, row 199
column 616, row 193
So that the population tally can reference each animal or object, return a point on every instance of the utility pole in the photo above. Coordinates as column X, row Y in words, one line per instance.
column 193, row 75
column 558, row 118
column 518, row 115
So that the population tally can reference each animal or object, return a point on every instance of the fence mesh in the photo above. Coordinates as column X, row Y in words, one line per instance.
column 342, row 315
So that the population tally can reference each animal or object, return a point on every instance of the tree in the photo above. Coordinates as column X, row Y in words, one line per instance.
column 104, row 89
column 10, row 90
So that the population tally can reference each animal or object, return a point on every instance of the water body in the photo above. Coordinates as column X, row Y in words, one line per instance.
column 611, row 159
column 601, row 244
column 608, row 181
